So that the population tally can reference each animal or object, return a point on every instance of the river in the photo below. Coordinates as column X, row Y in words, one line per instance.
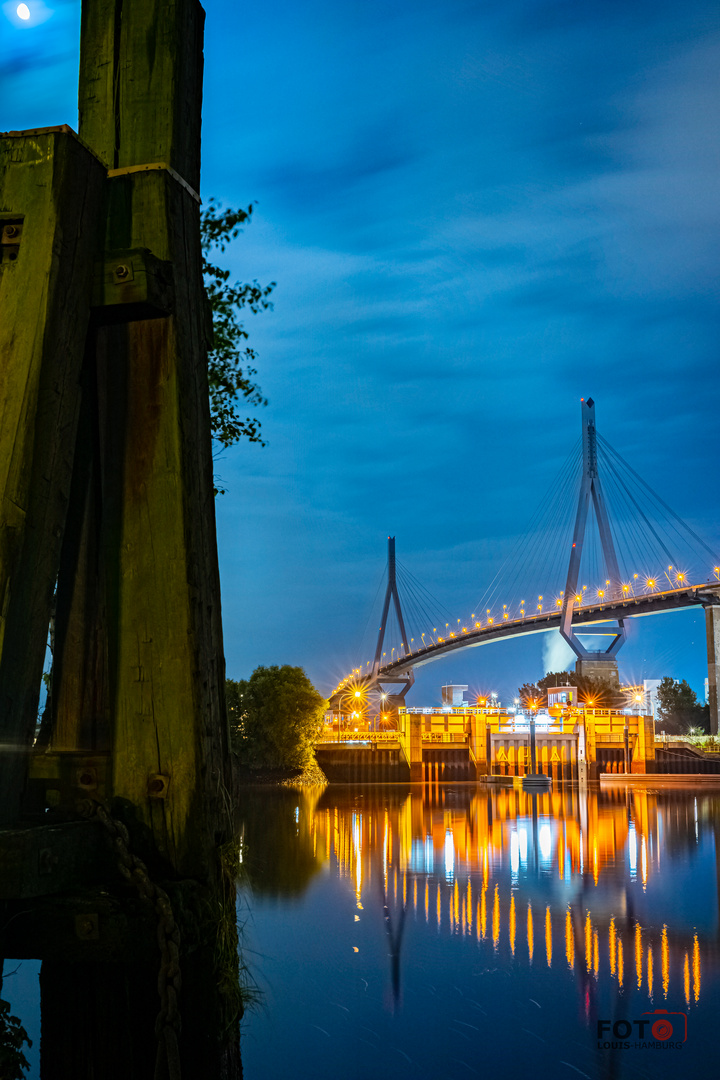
column 473, row 930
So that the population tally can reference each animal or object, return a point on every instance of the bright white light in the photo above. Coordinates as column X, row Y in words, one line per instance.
column 632, row 850
column 545, row 841
column 523, row 839
column 26, row 16
column 449, row 856
column 514, row 853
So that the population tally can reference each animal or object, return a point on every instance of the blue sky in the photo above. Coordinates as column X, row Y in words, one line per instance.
column 476, row 214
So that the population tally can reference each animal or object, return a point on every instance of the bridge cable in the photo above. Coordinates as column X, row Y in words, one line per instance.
column 663, row 504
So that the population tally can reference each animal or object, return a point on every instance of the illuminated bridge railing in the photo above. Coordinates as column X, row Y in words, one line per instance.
column 359, row 737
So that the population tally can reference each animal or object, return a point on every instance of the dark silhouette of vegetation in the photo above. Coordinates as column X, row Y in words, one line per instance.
column 678, row 709
column 231, row 362
column 12, row 1038
column 278, row 858
column 275, row 717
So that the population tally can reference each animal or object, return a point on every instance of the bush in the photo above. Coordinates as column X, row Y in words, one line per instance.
column 275, row 717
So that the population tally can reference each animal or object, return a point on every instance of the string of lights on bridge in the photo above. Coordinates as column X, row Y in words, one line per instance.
column 639, row 585
column 646, row 533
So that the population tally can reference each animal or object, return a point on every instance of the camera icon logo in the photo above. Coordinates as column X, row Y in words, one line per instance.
column 668, row 1025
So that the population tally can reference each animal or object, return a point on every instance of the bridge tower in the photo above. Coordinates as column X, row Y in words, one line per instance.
column 405, row 680
column 595, row 663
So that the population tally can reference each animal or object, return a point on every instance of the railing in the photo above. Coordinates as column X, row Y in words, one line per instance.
column 444, row 736
column 703, row 744
column 359, row 737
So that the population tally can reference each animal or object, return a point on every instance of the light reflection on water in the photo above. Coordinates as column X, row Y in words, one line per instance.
column 400, row 932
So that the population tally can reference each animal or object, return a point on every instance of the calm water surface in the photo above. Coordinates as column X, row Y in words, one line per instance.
column 471, row 931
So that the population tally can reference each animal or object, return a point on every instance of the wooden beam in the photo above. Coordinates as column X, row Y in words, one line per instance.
column 139, row 634
column 140, row 90
column 51, row 192
column 50, row 859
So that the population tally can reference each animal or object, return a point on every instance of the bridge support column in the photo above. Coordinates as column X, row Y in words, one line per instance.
column 412, row 745
column 590, row 747
column 478, row 743
column 601, row 668
column 712, row 630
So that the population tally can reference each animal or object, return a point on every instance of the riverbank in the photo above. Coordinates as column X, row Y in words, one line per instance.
column 311, row 776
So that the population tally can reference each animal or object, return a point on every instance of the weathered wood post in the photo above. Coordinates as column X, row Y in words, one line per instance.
column 107, row 498
column 140, row 107
column 139, row 670
column 51, row 197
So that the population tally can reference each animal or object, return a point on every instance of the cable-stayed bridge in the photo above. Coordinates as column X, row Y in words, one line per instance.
column 601, row 548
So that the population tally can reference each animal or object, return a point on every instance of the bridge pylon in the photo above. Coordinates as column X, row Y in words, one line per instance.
column 405, row 680
column 596, row 663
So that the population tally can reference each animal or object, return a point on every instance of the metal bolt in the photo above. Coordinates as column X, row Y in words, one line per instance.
column 46, row 861
column 87, row 777
column 157, row 786
column 86, row 927
column 11, row 230
column 121, row 272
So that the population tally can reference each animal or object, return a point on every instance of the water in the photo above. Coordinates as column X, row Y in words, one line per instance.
column 472, row 931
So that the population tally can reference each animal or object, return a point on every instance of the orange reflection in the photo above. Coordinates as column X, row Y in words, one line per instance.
column 569, row 939
column 490, row 835
column 511, row 923
column 530, row 934
column 496, row 918
column 548, row 936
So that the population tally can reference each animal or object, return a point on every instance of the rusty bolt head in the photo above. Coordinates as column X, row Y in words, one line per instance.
column 87, row 927
column 11, row 231
column 87, row 778
column 157, row 786
column 121, row 272
column 47, row 861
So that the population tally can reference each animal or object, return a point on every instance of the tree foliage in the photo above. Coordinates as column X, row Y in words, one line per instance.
column 602, row 694
column 531, row 694
column 275, row 717
column 678, row 708
column 13, row 1036
column 231, row 361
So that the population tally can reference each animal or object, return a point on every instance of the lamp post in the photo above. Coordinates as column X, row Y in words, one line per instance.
column 533, row 753
column 534, row 781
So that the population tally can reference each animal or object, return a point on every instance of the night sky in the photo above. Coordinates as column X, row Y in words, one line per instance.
column 476, row 214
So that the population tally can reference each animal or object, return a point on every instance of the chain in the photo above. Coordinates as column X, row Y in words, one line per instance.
column 167, row 1024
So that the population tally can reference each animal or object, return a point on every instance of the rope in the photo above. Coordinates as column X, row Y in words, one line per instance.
column 168, row 1023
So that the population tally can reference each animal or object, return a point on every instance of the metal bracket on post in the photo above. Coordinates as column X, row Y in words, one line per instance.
column 130, row 285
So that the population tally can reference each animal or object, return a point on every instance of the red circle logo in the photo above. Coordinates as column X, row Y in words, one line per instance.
column 662, row 1030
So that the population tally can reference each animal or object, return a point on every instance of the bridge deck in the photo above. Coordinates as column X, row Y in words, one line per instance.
column 544, row 621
